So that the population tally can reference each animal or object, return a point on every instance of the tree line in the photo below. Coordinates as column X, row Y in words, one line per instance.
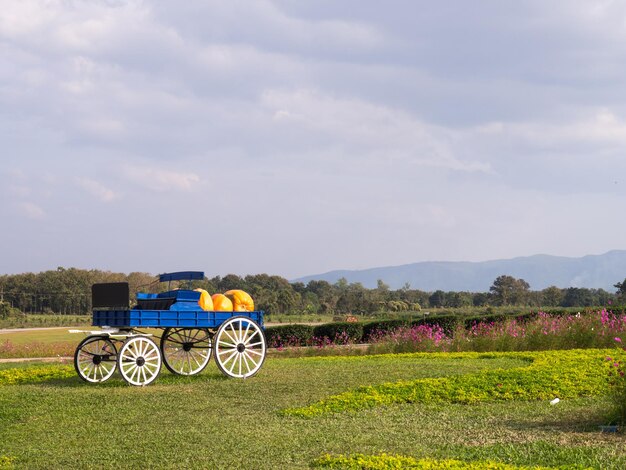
column 68, row 291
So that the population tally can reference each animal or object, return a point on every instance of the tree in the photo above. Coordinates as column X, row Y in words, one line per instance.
column 552, row 296
column 621, row 291
column 458, row 299
column 5, row 310
column 577, row 297
column 437, row 299
column 506, row 290
column 480, row 299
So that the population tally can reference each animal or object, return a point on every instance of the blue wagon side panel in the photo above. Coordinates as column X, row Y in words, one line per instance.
column 168, row 318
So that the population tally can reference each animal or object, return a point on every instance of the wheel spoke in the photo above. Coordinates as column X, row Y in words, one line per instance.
column 233, row 364
column 194, row 338
column 136, row 372
column 249, row 361
column 231, row 338
column 234, row 353
column 144, row 348
column 245, row 335
column 253, row 351
column 251, row 336
column 226, row 351
column 152, row 365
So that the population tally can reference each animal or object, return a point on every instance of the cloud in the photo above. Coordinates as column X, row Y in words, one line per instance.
column 160, row 180
column 96, row 189
column 366, row 133
column 31, row 210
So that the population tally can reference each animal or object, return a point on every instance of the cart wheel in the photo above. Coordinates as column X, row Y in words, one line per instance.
column 239, row 347
column 139, row 360
column 186, row 351
column 95, row 359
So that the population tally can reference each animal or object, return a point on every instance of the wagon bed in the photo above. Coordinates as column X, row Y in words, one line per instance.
column 167, row 318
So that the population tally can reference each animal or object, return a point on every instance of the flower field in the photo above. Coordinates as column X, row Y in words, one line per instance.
column 542, row 332
column 525, row 332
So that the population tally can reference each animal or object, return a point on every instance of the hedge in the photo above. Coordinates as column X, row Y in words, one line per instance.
column 292, row 335
column 352, row 331
column 448, row 323
column 302, row 335
column 381, row 327
column 492, row 318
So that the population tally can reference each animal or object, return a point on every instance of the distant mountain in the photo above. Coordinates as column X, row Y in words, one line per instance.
column 540, row 271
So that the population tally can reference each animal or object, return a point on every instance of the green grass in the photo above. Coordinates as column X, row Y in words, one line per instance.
column 34, row 320
column 209, row 421
column 47, row 336
column 51, row 342
column 547, row 375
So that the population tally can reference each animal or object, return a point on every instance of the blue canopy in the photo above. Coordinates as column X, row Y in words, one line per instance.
column 182, row 276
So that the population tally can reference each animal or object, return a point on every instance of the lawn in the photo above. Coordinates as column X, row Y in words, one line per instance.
column 209, row 421
column 47, row 336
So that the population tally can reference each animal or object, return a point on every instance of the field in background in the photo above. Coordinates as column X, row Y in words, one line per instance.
column 31, row 320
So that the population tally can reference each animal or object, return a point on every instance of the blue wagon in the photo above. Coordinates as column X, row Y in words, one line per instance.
column 189, row 335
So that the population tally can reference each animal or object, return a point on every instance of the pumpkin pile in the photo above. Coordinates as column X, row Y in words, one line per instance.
column 234, row 300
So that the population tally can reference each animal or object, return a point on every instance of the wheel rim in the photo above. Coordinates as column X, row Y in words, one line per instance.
column 239, row 347
column 139, row 361
column 186, row 351
column 95, row 359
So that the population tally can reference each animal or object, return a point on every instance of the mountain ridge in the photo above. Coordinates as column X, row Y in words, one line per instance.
column 540, row 271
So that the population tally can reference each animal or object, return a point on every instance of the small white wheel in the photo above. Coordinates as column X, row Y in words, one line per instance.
column 186, row 351
column 239, row 347
column 95, row 359
column 139, row 360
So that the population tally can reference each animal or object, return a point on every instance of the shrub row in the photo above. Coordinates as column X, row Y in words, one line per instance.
column 305, row 335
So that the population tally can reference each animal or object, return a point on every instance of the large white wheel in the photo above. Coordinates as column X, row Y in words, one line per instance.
column 186, row 351
column 139, row 360
column 95, row 359
column 239, row 347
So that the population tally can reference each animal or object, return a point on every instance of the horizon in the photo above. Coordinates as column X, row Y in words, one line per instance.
column 295, row 279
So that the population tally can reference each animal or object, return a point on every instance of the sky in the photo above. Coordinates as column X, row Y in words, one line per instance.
column 293, row 138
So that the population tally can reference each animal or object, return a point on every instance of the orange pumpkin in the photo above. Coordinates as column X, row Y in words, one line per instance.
column 242, row 302
column 205, row 301
column 221, row 303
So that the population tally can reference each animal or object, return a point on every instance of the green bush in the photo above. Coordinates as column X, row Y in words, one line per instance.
column 492, row 318
column 289, row 335
column 380, row 327
column 447, row 323
column 351, row 331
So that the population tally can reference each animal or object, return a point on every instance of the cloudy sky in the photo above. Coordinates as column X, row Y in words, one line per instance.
column 294, row 137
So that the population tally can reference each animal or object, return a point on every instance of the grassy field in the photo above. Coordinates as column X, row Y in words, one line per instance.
column 209, row 421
